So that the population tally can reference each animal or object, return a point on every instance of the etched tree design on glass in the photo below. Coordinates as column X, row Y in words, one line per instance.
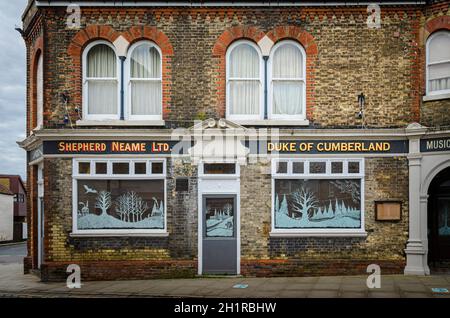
column 103, row 202
column 317, row 203
column 131, row 207
column 303, row 201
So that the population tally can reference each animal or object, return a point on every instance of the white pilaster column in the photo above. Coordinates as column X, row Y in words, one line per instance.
column 417, row 246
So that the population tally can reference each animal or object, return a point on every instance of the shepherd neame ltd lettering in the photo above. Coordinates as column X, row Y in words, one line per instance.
column 107, row 147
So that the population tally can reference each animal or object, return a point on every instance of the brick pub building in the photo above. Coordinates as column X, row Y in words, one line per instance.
column 336, row 120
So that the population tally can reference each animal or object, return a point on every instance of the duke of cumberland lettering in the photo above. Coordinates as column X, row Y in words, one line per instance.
column 337, row 146
column 107, row 147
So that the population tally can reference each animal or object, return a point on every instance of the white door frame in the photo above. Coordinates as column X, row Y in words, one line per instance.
column 218, row 185
column 40, row 212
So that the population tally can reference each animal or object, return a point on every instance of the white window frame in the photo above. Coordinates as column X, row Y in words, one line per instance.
column 270, row 81
column 428, row 92
column 261, row 83
column 327, row 175
column 129, row 79
column 110, row 176
column 86, row 115
column 40, row 92
column 203, row 175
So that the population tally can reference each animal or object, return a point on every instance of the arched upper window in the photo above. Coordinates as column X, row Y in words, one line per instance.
column 438, row 63
column 244, row 81
column 40, row 92
column 100, row 81
column 145, row 81
column 287, row 81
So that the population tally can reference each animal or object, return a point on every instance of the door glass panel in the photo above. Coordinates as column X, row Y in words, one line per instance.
column 219, row 217
column 444, row 216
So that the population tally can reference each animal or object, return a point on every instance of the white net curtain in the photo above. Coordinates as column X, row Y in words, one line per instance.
column 145, row 80
column 102, row 80
column 244, row 81
column 439, row 62
column 287, row 80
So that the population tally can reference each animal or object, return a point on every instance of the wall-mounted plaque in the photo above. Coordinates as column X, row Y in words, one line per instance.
column 388, row 210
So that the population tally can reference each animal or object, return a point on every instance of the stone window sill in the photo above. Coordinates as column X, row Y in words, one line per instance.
column 319, row 234
column 120, row 123
column 112, row 234
column 272, row 122
column 428, row 98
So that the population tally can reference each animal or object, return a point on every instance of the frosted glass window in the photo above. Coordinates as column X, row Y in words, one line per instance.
column 120, row 204
column 317, row 203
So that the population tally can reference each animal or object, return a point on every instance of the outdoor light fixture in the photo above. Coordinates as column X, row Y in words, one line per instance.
column 65, row 97
column 361, row 103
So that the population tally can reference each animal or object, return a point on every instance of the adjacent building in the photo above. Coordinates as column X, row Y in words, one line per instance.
column 258, row 138
column 14, row 185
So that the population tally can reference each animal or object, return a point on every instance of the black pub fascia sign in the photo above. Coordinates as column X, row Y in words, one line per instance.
column 435, row 144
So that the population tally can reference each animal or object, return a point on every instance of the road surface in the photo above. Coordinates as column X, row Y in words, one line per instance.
column 13, row 253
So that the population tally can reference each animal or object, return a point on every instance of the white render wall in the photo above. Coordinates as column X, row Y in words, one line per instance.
column 6, row 217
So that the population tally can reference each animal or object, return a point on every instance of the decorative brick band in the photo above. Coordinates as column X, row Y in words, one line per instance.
column 254, row 34
column 134, row 34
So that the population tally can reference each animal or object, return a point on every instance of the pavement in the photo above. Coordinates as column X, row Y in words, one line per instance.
column 14, row 284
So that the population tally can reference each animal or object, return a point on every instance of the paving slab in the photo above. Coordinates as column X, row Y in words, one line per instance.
column 323, row 294
column 327, row 286
column 351, row 294
column 383, row 295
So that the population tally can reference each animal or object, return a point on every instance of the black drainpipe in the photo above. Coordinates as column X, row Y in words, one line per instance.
column 266, row 58
column 122, row 93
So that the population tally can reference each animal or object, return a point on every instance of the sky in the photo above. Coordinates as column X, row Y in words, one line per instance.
column 12, row 88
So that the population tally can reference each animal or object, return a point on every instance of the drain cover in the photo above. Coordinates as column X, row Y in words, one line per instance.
column 440, row 290
column 240, row 286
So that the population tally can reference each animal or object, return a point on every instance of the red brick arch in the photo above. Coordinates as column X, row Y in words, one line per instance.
column 439, row 23
column 219, row 52
column 254, row 34
column 75, row 50
column 104, row 32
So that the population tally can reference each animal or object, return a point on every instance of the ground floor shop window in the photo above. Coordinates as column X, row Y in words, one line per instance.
column 318, row 195
column 119, row 196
